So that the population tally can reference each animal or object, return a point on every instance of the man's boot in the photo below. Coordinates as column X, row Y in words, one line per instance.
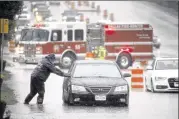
column 40, row 99
column 28, row 99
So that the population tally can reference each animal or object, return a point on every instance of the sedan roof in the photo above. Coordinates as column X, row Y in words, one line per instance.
column 94, row 61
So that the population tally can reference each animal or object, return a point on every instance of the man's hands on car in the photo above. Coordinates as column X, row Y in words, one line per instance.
column 67, row 75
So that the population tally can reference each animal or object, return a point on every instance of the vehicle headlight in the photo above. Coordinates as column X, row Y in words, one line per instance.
column 17, row 37
column 16, row 16
column 78, row 88
column 35, row 9
column 121, row 88
column 160, row 78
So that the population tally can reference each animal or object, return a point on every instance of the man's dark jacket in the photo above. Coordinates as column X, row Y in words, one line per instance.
column 45, row 67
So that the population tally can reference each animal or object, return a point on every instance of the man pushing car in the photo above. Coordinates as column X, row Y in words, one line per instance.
column 39, row 75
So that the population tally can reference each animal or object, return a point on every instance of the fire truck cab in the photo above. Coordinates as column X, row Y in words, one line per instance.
column 124, row 42
column 65, row 39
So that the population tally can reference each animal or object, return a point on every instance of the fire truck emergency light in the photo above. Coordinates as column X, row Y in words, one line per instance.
column 109, row 30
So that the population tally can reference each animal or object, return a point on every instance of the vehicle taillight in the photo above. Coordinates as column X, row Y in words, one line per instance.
column 39, row 50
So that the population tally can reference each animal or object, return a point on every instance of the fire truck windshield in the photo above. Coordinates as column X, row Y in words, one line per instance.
column 34, row 35
column 94, row 33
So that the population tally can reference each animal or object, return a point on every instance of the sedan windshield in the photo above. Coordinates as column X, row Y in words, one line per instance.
column 96, row 70
column 166, row 64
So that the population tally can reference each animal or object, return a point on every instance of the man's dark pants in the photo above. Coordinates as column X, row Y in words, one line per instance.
column 36, row 86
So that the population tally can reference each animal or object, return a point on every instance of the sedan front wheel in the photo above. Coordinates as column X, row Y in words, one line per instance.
column 70, row 98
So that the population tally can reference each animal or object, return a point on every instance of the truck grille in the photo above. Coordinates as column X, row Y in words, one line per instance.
column 100, row 90
column 29, row 50
column 171, row 82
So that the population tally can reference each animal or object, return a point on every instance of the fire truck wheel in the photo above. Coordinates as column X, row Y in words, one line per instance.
column 68, row 59
column 124, row 60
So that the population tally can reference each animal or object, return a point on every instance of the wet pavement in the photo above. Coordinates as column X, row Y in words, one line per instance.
column 143, row 105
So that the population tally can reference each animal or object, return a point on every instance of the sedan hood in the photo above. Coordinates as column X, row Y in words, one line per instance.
column 166, row 73
column 98, row 82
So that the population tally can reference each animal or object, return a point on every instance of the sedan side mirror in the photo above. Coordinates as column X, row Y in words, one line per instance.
column 125, row 75
column 149, row 67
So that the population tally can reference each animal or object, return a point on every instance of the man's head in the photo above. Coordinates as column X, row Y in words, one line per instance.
column 51, row 57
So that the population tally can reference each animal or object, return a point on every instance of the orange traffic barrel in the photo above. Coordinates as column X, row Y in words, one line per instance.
column 98, row 9
column 89, row 55
column 11, row 45
column 92, row 5
column 79, row 3
column 137, row 79
column 105, row 13
column 111, row 16
column 72, row 5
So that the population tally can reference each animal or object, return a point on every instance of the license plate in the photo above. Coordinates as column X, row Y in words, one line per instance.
column 176, row 84
column 100, row 97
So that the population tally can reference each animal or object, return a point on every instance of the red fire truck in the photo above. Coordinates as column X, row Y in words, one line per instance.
column 124, row 42
column 70, row 41
column 66, row 39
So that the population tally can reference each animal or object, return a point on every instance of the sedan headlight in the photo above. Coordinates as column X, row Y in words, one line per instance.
column 121, row 88
column 78, row 88
column 160, row 78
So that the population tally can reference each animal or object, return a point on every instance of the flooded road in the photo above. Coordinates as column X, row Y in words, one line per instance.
column 142, row 105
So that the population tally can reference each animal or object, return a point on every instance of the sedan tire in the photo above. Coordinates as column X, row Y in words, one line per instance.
column 63, row 98
column 146, row 87
column 70, row 99
column 152, row 87
column 127, row 101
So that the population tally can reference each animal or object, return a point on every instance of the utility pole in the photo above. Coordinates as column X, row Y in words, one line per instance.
column 4, row 27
